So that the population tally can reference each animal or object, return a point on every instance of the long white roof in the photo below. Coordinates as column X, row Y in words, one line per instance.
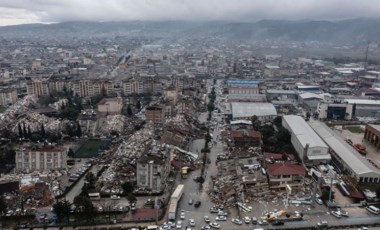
column 358, row 164
column 305, row 134
column 363, row 101
column 248, row 109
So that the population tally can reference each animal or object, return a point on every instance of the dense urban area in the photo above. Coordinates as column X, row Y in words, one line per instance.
column 138, row 132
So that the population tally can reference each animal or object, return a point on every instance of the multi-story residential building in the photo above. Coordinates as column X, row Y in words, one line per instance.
column 40, row 159
column 132, row 86
column 171, row 93
column 8, row 96
column 89, row 88
column 38, row 87
column 152, row 171
column 282, row 174
column 155, row 113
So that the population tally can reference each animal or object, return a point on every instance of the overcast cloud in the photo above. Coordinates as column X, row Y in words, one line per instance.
column 31, row 11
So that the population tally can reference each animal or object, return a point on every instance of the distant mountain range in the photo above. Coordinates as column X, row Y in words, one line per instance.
column 354, row 30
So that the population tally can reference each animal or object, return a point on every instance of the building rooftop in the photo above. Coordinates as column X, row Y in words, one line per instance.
column 281, row 91
column 247, row 109
column 303, row 131
column 277, row 169
column 242, row 83
column 358, row 164
column 377, row 127
column 363, row 101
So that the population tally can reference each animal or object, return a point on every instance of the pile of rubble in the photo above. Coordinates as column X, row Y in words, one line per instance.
column 114, row 123
column 125, row 157
column 35, row 120
column 20, row 107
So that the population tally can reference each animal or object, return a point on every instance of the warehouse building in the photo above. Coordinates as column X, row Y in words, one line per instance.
column 346, row 158
column 245, row 110
column 309, row 146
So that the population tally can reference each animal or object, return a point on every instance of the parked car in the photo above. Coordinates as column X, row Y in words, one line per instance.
column 183, row 215
column 191, row 202
column 336, row 214
column 247, row 220
column 254, row 220
column 207, row 219
column 262, row 222
column 237, row 221
column 205, row 227
column 215, row 225
column 277, row 223
column 197, row 204
column 322, row 223
column 115, row 197
column 179, row 224
column 192, row 222
column 220, row 218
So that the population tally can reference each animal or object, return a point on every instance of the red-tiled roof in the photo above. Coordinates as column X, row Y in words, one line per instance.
column 285, row 169
column 278, row 156
column 242, row 133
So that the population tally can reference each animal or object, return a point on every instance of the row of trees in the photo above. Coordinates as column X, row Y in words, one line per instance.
column 211, row 103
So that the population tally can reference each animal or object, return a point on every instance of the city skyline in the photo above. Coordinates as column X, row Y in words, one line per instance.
column 48, row 11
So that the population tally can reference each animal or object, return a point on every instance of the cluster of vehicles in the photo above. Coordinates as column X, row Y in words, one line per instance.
column 80, row 172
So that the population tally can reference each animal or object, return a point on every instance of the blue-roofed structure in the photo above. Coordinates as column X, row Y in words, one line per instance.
column 245, row 83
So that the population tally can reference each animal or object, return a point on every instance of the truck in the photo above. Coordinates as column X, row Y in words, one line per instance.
column 176, row 196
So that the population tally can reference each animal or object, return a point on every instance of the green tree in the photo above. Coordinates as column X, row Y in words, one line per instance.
column 210, row 106
column 129, row 110
column 127, row 187
column 79, row 130
column 256, row 125
column 29, row 132
column 378, row 192
column 43, row 133
column 266, row 131
column 35, row 137
column 254, row 118
column 90, row 179
column 3, row 206
column 131, row 198
column 20, row 133
column 283, row 135
column 62, row 209
column 278, row 121
column 24, row 131
column 138, row 105
column 70, row 153
column 85, row 207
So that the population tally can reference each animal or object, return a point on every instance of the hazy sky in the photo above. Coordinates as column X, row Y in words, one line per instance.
column 31, row 11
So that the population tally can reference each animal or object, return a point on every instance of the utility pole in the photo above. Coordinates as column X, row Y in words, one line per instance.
column 332, row 175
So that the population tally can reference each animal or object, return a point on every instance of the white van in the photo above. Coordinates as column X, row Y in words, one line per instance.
column 372, row 209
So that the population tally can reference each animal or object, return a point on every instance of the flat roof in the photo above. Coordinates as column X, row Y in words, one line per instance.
column 310, row 96
column 245, row 122
column 248, row 109
column 281, row 91
column 363, row 101
column 358, row 164
column 377, row 127
column 241, row 82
